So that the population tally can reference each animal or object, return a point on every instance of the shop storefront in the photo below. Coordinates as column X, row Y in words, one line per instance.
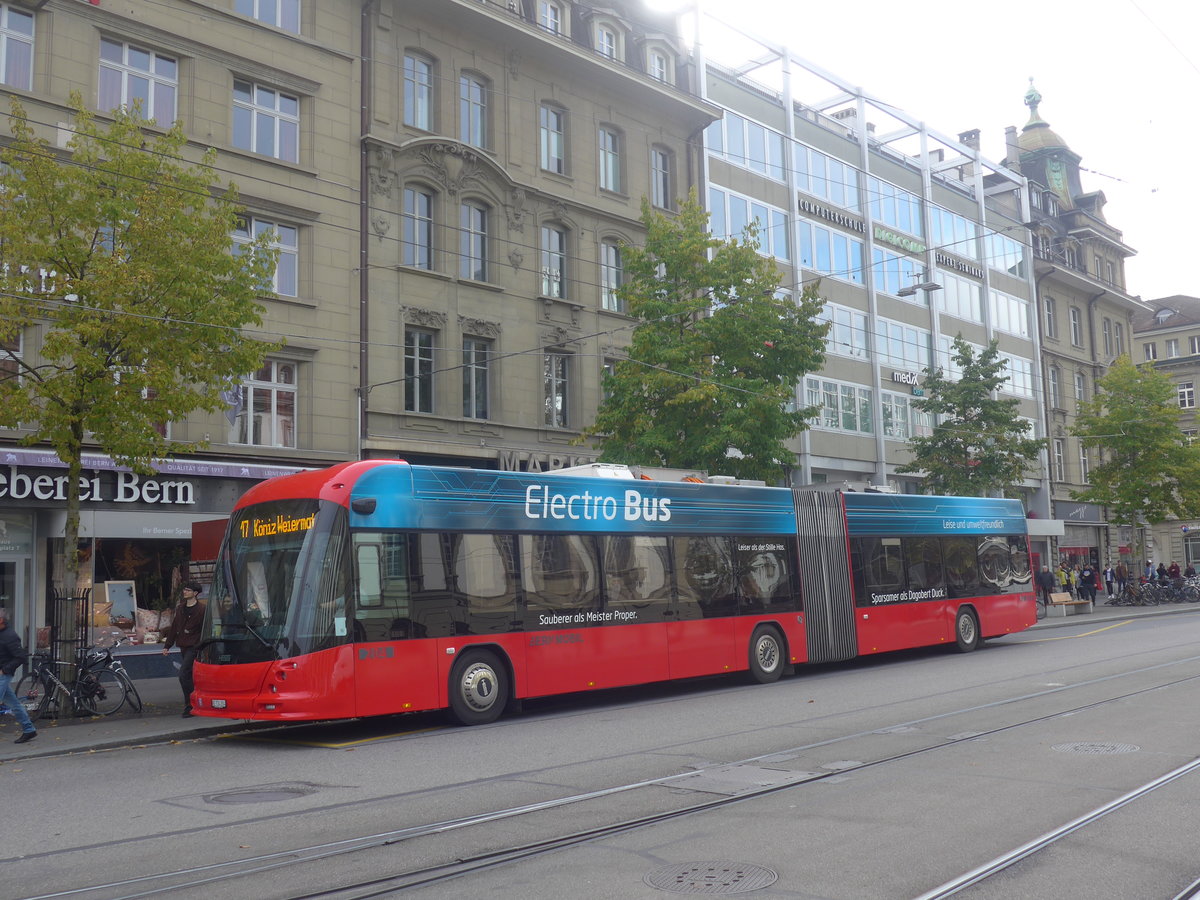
column 135, row 534
column 1082, row 542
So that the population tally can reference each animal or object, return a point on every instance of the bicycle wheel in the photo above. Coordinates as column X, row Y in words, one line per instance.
column 99, row 692
column 132, row 697
column 32, row 694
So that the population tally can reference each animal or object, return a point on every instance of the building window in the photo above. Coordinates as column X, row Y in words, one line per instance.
column 1119, row 338
column 135, row 78
column 476, row 357
column 554, row 261
column 1060, row 456
column 1050, row 312
column 848, row 334
column 264, row 410
column 285, row 239
column 1194, row 345
column 1076, row 326
column 1110, row 272
column 608, row 41
column 418, row 92
column 661, row 193
column 1084, row 465
column 1053, row 379
column 612, row 274
column 10, row 358
column 730, row 214
column 1080, row 387
column 553, row 126
column 1150, row 350
column 556, row 370
column 1187, row 395
column 610, row 159
column 1108, row 342
column 283, row 14
column 896, row 423
column 1172, row 348
column 841, row 407
column 16, row 47
column 473, row 241
column 266, row 121
column 418, row 370
column 417, row 234
column 658, row 65
column 472, row 111
column 550, row 16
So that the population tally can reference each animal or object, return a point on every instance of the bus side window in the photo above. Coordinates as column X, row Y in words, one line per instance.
column 383, row 594
column 705, row 576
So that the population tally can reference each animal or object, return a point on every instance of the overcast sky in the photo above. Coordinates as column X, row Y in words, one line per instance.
column 1119, row 81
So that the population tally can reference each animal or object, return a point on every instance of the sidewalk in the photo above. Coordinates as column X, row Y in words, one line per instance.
column 160, row 722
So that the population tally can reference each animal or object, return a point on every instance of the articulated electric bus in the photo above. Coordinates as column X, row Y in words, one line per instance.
column 379, row 587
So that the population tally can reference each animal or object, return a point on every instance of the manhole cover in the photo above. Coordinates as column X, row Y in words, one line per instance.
column 718, row 877
column 1095, row 747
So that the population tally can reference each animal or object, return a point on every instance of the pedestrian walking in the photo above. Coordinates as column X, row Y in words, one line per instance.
column 1087, row 582
column 184, row 633
column 1110, row 578
column 1046, row 583
column 1122, row 574
column 12, row 657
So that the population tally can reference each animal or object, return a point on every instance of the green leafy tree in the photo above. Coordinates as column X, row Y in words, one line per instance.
column 1146, row 470
column 979, row 447
column 120, row 253
column 709, row 380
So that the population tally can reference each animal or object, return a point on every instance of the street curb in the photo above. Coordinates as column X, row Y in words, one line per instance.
column 147, row 740
column 1114, row 614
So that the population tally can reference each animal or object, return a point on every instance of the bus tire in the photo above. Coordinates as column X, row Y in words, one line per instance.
column 966, row 630
column 766, row 655
column 478, row 688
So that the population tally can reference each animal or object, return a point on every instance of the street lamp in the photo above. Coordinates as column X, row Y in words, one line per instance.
column 925, row 284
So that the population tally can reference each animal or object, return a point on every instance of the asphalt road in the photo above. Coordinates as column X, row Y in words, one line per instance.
column 888, row 778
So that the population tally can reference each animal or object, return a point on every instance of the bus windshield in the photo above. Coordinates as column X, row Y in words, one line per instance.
column 280, row 586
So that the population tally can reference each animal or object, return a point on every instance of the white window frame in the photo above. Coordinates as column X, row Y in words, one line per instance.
column 661, row 178
column 418, row 91
column 16, row 47
column 552, row 132
column 659, row 65
column 473, row 95
column 262, row 417
column 285, row 279
column 1085, row 466
column 157, row 72
column 612, row 275
column 1080, row 387
column 477, row 355
column 420, row 345
column 849, row 333
column 773, row 227
column 896, row 415
column 1172, row 348
column 554, row 243
column 1187, row 394
column 902, row 345
column 282, row 14
column 1054, row 386
column 1076, row 318
column 556, row 374
column 272, row 113
column 610, row 41
column 417, row 227
column 1150, row 350
column 610, row 159
column 1020, row 376
column 474, row 221
column 1194, row 344
column 841, row 406
column 550, row 16
column 1060, row 459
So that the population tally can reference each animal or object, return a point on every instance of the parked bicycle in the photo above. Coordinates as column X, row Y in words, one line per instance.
column 101, row 685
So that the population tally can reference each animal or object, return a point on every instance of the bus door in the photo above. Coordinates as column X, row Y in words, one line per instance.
column 701, row 636
column 394, row 670
column 825, row 576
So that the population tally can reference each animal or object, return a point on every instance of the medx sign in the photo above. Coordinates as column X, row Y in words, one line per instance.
column 123, row 487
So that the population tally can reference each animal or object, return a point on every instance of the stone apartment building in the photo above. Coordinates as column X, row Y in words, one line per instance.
column 448, row 183
column 1085, row 318
column 1166, row 334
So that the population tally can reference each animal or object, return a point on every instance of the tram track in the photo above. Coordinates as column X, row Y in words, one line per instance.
column 209, row 874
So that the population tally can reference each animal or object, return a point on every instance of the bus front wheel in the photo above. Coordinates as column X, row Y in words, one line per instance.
column 478, row 688
column 966, row 630
column 766, row 655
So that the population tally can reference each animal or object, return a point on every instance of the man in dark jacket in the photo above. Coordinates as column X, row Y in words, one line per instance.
column 184, row 632
column 1046, row 583
column 12, row 657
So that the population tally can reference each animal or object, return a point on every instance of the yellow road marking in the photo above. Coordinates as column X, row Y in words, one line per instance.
column 1067, row 637
column 326, row 745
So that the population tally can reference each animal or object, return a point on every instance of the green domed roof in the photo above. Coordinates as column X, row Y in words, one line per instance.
column 1037, row 133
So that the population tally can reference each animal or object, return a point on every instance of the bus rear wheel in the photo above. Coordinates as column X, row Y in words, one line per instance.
column 478, row 688
column 766, row 655
column 966, row 630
